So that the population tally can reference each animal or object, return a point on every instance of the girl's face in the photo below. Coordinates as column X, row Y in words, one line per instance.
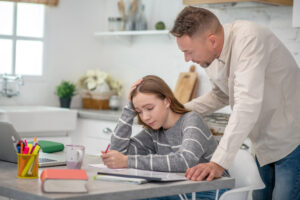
column 152, row 110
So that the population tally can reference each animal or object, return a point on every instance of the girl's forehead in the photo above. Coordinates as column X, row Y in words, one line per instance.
column 141, row 95
column 144, row 98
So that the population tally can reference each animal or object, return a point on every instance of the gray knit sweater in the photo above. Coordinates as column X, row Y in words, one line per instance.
column 182, row 146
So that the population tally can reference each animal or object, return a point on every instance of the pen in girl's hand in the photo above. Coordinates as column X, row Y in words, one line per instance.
column 107, row 148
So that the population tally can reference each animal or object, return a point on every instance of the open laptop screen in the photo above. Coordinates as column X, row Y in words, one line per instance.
column 8, row 150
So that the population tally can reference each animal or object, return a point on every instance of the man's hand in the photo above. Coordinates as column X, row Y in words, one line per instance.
column 114, row 159
column 202, row 171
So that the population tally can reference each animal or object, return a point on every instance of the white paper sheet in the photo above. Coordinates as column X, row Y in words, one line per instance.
column 164, row 176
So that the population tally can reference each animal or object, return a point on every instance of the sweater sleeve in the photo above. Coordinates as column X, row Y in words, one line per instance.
column 197, row 145
column 122, row 141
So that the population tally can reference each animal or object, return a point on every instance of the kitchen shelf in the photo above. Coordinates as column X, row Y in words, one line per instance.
column 127, row 36
column 275, row 2
column 132, row 33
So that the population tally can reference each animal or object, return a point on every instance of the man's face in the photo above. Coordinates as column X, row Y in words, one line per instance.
column 198, row 49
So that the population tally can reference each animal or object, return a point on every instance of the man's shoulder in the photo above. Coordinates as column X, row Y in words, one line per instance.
column 246, row 28
column 244, row 32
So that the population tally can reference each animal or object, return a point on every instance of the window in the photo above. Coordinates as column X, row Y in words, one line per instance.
column 21, row 38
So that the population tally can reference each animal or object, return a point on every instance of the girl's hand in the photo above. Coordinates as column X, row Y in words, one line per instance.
column 135, row 84
column 114, row 159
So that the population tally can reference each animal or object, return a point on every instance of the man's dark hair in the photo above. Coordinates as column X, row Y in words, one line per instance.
column 193, row 20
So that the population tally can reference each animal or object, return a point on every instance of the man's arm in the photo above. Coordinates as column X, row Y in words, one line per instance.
column 209, row 102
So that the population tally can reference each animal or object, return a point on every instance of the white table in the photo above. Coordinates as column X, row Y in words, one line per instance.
column 12, row 187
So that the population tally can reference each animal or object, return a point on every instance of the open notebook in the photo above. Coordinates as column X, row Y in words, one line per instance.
column 8, row 151
column 139, row 174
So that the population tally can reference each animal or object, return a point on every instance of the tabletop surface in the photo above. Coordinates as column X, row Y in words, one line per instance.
column 13, row 187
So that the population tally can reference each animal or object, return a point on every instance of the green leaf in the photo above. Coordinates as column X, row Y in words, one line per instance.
column 65, row 89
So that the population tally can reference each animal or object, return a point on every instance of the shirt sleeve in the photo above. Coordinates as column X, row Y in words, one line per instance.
column 122, row 141
column 208, row 103
column 196, row 140
column 249, row 77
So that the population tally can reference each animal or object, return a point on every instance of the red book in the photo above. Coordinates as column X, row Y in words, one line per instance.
column 64, row 180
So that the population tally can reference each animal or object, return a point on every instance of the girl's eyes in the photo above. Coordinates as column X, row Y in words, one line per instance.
column 150, row 108
column 140, row 112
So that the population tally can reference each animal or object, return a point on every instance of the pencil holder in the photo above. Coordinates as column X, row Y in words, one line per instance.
column 28, row 165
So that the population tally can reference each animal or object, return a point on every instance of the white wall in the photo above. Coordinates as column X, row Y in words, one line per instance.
column 71, row 48
column 296, row 13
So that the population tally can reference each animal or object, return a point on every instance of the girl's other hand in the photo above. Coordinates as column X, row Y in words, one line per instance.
column 135, row 84
column 114, row 159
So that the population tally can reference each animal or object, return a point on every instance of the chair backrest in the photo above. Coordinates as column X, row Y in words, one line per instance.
column 247, row 178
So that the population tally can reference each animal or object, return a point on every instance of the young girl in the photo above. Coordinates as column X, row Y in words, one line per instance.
column 173, row 139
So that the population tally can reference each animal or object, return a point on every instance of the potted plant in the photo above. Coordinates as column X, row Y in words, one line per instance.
column 65, row 91
column 96, row 89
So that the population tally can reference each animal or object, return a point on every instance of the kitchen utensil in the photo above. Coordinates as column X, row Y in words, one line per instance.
column 133, row 6
column 186, row 86
column 121, row 7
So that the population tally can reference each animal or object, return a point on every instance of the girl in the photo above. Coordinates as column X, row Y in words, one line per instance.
column 173, row 139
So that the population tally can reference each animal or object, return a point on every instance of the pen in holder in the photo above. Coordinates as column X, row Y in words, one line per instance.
column 28, row 164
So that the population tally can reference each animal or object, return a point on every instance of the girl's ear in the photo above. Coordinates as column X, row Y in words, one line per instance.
column 167, row 102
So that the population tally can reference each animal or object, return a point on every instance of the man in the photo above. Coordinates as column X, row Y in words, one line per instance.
column 253, row 72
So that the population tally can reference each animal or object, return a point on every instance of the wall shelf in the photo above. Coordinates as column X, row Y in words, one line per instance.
column 128, row 36
column 132, row 33
column 275, row 2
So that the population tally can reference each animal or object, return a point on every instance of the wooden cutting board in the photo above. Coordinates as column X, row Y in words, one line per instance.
column 186, row 85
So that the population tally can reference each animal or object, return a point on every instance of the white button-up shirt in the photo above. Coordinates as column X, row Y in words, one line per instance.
column 260, row 79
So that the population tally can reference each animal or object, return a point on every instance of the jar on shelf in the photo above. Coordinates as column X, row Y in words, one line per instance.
column 115, row 24
column 140, row 18
column 114, row 102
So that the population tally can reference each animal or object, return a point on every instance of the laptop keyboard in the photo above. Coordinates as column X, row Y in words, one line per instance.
column 42, row 160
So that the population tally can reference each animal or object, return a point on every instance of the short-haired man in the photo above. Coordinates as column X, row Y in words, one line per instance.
column 254, row 73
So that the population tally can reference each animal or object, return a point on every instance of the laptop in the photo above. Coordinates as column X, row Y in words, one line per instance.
column 8, row 151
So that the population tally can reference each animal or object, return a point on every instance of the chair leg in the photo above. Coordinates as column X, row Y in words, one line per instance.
column 194, row 196
column 183, row 197
column 217, row 194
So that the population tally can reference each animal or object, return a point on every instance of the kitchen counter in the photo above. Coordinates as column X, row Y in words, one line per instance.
column 108, row 115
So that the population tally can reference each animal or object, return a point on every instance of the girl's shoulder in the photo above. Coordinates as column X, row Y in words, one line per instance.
column 192, row 118
column 191, row 115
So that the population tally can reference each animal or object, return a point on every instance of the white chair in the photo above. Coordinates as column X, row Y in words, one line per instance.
column 247, row 178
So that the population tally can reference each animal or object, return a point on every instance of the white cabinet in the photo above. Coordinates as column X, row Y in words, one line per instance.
column 95, row 134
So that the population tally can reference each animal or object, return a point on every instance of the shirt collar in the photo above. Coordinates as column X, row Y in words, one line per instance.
column 224, row 52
